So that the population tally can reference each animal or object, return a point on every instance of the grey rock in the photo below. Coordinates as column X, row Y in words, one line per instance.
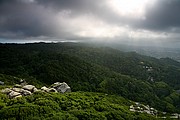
column 6, row 91
column 56, row 84
column 25, row 92
column 52, row 90
column 29, row 87
column 18, row 96
column 68, row 90
column 14, row 94
column 16, row 89
column 19, row 91
column 23, row 82
column 44, row 88
column 35, row 90
column 61, row 87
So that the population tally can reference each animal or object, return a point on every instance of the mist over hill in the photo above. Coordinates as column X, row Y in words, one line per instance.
column 156, row 50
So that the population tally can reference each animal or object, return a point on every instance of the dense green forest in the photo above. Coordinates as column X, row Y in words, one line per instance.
column 72, row 106
column 95, row 69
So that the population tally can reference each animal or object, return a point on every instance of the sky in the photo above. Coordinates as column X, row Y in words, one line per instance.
column 128, row 21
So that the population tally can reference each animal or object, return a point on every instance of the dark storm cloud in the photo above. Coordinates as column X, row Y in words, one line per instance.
column 163, row 15
column 24, row 18
column 34, row 18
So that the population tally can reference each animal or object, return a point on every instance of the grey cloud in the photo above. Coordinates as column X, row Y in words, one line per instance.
column 33, row 18
column 162, row 16
column 80, row 7
column 25, row 19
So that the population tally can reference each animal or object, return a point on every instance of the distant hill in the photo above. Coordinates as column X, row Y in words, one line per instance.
column 153, row 51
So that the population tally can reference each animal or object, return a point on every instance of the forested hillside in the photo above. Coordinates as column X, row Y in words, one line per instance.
column 72, row 106
column 94, row 69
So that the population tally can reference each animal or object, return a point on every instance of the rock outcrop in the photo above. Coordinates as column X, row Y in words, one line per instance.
column 6, row 90
column 14, row 94
column 57, row 87
column 25, row 92
column 45, row 89
column 16, row 89
column 29, row 87
column 20, row 90
column 17, row 86
column 61, row 87
column 52, row 90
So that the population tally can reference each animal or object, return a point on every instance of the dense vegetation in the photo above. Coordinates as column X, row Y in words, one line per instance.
column 71, row 106
column 94, row 69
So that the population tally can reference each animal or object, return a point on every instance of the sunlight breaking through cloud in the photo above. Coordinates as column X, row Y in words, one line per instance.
column 83, row 19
